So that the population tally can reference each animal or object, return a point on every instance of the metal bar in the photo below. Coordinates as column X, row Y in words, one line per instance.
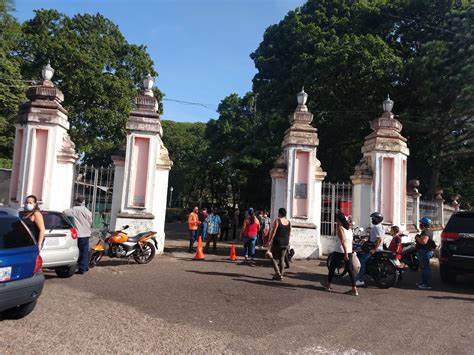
column 333, row 208
column 94, row 191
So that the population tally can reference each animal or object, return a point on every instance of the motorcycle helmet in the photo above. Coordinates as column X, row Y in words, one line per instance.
column 425, row 221
column 376, row 217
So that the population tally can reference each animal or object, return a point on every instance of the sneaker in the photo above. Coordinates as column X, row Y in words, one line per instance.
column 352, row 293
column 360, row 283
column 424, row 287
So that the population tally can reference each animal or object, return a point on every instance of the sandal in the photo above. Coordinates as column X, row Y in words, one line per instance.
column 352, row 293
column 326, row 286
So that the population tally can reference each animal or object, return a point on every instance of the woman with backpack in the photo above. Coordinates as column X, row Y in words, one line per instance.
column 249, row 233
column 279, row 241
column 425, row 247
column 343, row 253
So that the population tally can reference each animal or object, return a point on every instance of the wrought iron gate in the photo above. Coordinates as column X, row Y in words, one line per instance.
column 96, row 186
column 335, row 196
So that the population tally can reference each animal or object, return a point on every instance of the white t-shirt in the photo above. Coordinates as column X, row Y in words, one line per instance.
column 347, row 239
column 376, row 232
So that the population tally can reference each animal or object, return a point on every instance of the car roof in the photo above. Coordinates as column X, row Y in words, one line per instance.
column 7, row 211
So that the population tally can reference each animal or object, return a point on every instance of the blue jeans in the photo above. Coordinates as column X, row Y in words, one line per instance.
column 83, row 261
column 249, row 246
column 363, row 258
column 203, row 231
column 192, row 238
column 425, row 255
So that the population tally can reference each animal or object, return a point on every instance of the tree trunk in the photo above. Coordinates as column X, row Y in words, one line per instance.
column 434, row 181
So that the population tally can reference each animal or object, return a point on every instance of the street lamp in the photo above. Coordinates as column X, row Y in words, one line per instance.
column 171, row 196
column 47, row 72
column 387, row 104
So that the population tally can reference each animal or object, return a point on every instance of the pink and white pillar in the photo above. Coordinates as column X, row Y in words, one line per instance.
column 141, row 171
column 44, row 155
column 380, row 178
column 296, row 182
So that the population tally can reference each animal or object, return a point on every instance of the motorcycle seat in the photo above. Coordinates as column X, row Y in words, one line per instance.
column 137, row 237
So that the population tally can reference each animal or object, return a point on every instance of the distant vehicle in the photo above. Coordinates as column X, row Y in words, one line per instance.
column 60, row 251
column 21, row 279
column 457, row 247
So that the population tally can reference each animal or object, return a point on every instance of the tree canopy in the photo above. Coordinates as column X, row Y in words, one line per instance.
column 350, row 54
column 96, row 68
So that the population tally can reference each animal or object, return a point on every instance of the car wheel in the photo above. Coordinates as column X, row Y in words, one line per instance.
column 19, row 311
column 65, row 271
column 447, row 276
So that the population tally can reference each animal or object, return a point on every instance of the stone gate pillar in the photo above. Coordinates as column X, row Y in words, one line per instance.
column 141, row 171
column 44, row 155
column 296, row 182
column 380, row 178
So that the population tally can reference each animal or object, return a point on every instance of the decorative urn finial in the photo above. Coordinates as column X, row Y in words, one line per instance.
column 47, row 72
column 301, row 98
column 148, row 83
column 388, row 104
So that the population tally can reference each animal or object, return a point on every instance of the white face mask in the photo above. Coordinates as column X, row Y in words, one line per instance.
column 29, row 207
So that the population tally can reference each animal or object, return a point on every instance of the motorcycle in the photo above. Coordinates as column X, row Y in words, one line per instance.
column 117, row 244
column 381, row 267
column 410, row 256
column 359, row 239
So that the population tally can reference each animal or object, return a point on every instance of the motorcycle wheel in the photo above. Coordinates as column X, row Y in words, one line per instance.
column 146, row 255
column 95, row 258
column 340, row 270
column 387, row 275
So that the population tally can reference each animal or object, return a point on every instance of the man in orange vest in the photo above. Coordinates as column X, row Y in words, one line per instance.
column 193, row 225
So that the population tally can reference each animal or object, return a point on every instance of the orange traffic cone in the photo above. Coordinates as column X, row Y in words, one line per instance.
column 199, row 252
column 233, row 255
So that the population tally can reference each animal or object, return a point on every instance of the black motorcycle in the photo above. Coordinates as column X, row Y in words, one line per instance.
column 383, row 269
column 410, row 256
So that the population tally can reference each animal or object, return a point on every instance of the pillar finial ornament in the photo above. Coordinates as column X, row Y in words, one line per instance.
column 47, row 74
column 148, row 83
column 301, row 98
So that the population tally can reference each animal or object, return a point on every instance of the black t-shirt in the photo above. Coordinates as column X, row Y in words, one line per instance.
column 282, row 235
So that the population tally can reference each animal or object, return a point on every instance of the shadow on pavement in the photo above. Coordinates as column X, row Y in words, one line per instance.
column 452, row 298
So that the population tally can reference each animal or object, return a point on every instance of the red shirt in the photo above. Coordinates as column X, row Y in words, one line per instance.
column 396, row 247
column 251, row 230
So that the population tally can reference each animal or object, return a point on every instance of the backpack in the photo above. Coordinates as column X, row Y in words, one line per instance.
column 431, row 245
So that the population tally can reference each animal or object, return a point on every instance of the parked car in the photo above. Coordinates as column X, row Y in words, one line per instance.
column 21, row 279
column 457, row 247
column 60, row 251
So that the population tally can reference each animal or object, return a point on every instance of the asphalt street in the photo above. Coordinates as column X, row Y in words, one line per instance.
column 178, row 305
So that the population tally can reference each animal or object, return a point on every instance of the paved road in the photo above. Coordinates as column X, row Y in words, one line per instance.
column 178, row 305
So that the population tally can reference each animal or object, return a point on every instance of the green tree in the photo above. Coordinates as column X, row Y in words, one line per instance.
column 12, row 88
column 350, row 54
column 96, row 68
column 239, row 169
column 187, row 147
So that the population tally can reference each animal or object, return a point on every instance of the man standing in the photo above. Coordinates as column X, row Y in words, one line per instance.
column 213, row 230
column 377, row 233
column 193, row 225
column 82, row 218
column 235, row 223
column 225, row 226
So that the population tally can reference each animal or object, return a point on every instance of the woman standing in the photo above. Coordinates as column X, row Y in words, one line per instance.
column 343, row 253
column 249, row 233
column 34, row 219
column 279, row 241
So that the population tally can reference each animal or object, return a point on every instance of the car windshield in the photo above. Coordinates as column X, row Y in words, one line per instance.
column 461, row 223
column 13, row 234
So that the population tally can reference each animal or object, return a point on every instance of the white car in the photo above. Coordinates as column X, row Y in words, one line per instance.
column 60, row 251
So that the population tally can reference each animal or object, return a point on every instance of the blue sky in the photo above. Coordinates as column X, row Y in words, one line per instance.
column 200, row 48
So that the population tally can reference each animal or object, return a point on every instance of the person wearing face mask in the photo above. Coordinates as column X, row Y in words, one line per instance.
column 34, row 219
column 82, row 218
